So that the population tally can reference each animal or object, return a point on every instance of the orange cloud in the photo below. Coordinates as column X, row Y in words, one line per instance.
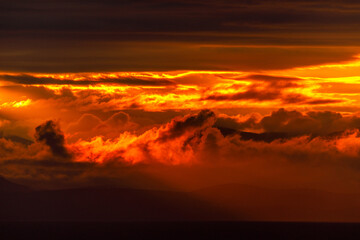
column 315, row 142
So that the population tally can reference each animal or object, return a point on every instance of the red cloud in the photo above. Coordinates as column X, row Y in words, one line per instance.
column 195, row 141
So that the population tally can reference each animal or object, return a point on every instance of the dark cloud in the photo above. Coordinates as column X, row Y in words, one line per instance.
column 302, row 99
column 267, row 137
column 262, row 77
column 50, row 134
column 83, row 36
column 274, row 82
column 32, row 80
column 251, row 94
column 177, row 128
column 272, row 91
column 173, row 16
column 323, row 101
column 258, row 92
column 311, row 123
column 233, row 124
column 286, row 124
column 33, row 92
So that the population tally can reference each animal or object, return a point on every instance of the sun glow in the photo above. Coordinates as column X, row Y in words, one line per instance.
column 16, row 104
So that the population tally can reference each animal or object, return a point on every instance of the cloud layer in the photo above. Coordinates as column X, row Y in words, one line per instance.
column 199, row 144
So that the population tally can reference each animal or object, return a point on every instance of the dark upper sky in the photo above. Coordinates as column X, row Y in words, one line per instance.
column 137, row 35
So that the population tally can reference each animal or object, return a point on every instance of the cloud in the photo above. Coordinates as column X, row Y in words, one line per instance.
column 86, row 122
column 50, row 134
column 9, row 148
column 178, row 128
column 271, row 91
column 175, row 35
column 251, row 94
column 33, row 80
column 118, row 119
column 316, row 123
column 269, row 78
column 186, row 139
column 89, row 125
column 238, row 122
column 195, row 144
column 323, row 101
column 33, row 92
column 185, row 16
column 170, row 143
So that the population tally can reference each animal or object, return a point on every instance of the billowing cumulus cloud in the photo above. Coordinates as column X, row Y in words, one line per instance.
column 278, row 143
column 178, row 128
column 186, row 140
column 89, row 125
column 317, row 123
column 118, row 119
column 85, row 123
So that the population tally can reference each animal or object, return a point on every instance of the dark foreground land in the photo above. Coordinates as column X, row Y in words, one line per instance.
column 177, row 230
column 227, row 203
column 221, row 212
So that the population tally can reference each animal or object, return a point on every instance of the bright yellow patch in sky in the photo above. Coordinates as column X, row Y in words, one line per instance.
column 16, row 104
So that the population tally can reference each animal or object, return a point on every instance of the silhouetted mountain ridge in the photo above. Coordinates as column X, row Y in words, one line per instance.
column 105, row 204
column 223, row 202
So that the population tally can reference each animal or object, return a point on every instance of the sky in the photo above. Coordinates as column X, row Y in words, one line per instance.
column 180, row 94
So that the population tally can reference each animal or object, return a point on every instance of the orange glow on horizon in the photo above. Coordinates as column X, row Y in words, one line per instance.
column 294, row 88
